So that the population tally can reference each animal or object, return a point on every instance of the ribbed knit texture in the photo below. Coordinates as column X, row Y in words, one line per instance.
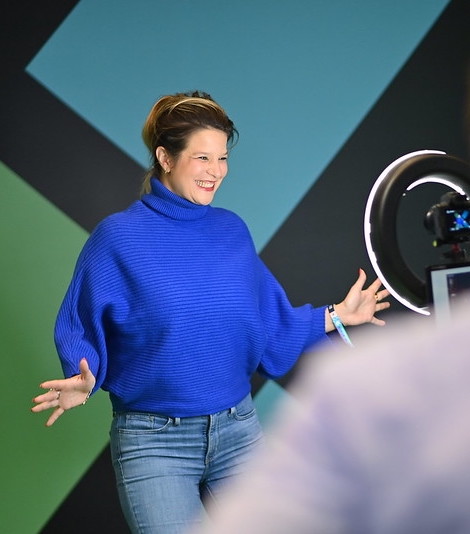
column 174, row 310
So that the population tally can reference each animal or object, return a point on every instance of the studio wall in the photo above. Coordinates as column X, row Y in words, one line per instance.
column 324, row 94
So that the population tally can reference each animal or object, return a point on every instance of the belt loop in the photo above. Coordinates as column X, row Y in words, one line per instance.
column 232, row 410
column 176, row 421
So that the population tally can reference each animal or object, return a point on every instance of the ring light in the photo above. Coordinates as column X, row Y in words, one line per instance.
column 380, row 229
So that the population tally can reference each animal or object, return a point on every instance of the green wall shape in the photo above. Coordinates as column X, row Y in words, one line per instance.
column 39, row 465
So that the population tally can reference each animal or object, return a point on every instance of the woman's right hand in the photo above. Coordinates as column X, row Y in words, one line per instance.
column 66, row 393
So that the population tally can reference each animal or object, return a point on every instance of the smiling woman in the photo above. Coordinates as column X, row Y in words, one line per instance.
column 168, row 130
column 198, row 171
column 172, row 311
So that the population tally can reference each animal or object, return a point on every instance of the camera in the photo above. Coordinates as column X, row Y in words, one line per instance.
column 449, row 220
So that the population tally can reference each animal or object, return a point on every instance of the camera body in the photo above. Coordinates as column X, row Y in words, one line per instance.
column 449, row 220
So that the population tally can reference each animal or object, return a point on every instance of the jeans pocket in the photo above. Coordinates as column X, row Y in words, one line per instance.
column 141, row 423
column 245, row 409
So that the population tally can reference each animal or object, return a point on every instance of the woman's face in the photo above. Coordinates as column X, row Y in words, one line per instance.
column 200, row 168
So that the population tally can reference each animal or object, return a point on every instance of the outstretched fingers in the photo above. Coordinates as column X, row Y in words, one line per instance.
column 55, row 415
column 379, row 295
column 375, row 286
column 45, row 401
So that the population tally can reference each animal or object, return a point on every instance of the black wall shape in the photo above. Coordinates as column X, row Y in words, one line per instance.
column 422, row 108
column 318, row 250
column 93, row 505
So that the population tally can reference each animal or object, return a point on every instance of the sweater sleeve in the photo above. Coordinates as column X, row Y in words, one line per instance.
column 79, row 329
column 291, row 330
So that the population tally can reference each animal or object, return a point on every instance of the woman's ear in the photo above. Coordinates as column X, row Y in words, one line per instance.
column 163, row 158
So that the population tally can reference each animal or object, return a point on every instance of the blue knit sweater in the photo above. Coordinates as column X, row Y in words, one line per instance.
column 174, row 310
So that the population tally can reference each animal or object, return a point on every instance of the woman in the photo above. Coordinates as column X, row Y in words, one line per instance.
column 171, row 311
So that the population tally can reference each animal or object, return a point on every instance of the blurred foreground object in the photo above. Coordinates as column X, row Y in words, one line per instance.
column 375, row 440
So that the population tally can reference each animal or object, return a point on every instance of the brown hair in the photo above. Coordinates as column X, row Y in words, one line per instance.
column 171, row 121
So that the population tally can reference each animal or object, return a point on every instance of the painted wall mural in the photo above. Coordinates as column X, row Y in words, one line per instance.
column 324, row 94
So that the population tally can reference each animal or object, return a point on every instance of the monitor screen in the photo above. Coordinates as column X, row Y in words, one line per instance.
column 448, row 287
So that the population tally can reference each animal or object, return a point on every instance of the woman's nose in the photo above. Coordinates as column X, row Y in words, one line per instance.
column 215, row 170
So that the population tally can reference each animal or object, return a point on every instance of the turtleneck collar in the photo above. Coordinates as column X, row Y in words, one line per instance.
column 165, row 202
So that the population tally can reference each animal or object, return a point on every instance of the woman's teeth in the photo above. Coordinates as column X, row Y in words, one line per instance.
column 205, row 185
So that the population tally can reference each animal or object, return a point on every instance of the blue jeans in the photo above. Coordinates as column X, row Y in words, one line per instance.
column 166, row 466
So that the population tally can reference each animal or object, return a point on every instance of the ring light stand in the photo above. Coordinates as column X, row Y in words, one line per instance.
column 380, row 229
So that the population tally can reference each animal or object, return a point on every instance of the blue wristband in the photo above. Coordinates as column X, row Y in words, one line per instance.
column 339, row 325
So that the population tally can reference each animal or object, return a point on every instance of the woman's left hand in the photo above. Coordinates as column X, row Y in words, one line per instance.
column 65, row 393
column 361, row 305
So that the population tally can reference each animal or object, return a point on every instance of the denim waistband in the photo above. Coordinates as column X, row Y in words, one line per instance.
column 177, row 420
